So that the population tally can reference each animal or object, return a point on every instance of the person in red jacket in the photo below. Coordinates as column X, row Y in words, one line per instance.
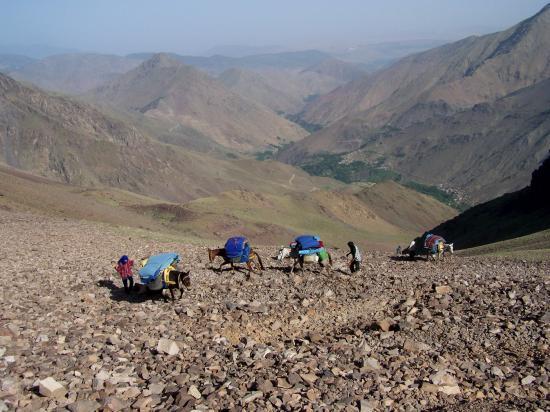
column 124, row 269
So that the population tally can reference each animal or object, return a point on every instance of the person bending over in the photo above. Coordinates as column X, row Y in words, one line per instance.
column 355, row 264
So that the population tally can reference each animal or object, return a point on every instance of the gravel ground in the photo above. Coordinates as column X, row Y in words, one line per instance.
column 464, row 334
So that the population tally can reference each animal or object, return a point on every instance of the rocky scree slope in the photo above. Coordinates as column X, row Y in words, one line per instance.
column 468, row 334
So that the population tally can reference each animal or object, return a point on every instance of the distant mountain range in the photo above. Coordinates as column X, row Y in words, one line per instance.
column 294, row 76
column 470, row 71
column 112, row 171
column 464, row 122
column 376, row 56
column 471, row 115
column 165, row 88
column 287, row 91
column 74, row 73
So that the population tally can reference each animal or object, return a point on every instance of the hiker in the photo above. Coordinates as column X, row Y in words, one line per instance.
column 355, row 263
column 124, row 269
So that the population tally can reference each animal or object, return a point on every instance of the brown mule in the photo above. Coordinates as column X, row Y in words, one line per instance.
column 252, row 256
column 177, row 280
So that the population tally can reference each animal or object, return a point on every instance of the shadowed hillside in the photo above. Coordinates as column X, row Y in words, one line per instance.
column 513, row 215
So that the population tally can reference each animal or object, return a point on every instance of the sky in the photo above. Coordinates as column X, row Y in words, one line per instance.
column 195, row 26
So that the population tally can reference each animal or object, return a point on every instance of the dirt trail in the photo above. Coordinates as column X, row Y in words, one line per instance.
column 387, row 338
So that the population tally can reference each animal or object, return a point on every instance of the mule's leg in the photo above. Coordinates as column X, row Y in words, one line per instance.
column 259, row 261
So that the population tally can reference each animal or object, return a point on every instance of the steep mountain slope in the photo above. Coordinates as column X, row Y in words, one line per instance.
column 76, row 143
column 483, row 151
column 473, row 70
column 164, row 88
column 337, row 69
column 286, row 91
column 256, row 87
column 513, row 215
column 74, row 73
column 98, row 160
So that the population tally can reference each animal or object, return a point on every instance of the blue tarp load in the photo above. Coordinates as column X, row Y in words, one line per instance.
column 155, row 266
column 237, row 249
column 308, row 242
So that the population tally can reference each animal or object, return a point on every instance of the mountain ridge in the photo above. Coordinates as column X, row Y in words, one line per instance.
column 462, row 73
column 163, row 87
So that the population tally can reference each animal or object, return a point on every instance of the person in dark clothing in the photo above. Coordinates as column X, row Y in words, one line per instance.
column 355, row 264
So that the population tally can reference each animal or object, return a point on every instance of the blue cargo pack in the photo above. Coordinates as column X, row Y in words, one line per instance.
column 155, row 266
column 237, row 249
column 308, row 242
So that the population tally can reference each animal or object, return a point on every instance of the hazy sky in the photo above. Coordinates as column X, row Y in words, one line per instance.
column 193, row 26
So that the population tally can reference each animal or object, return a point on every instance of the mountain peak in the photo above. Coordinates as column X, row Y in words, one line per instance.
column 161, row 60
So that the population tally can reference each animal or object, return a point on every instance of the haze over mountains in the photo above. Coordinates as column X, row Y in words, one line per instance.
column 74, row 73
column 470, row 117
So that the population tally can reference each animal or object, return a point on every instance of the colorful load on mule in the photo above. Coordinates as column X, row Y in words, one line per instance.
column 311, row 248
column 155, row 273
column 433, row 243
column 430, row 245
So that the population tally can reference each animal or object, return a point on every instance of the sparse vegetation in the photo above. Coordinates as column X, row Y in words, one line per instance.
column 437, row 193
column 310, row 127
column 330, row 165
column 269, row 154
column 265, row 155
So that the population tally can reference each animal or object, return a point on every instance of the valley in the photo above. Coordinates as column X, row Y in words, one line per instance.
column 163, row 132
